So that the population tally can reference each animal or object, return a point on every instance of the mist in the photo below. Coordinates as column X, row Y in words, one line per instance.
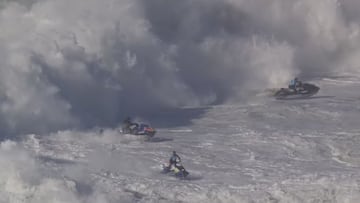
column 76, row 64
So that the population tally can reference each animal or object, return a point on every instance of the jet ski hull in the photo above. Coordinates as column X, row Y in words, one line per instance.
column 307, row 90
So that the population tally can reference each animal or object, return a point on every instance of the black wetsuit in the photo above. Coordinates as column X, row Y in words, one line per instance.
column 174, row 160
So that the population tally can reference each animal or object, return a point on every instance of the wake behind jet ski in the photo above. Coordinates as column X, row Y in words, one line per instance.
column 134, row 128
column 297, row 90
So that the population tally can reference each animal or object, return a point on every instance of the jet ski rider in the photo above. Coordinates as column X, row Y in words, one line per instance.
column 295, row 84
column 174, row 160
column 128, row 125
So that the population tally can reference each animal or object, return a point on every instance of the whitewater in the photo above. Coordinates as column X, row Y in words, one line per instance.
column 263, row 151
column 200, row 72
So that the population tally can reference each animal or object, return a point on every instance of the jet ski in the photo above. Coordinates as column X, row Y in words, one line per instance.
column 305, row 90
column 139, row 129
column 175, row 170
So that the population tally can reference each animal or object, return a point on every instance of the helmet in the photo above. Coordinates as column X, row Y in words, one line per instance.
column 174, row 152
column 296, row 79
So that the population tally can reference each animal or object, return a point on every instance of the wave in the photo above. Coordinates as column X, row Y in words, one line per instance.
column 80, row 64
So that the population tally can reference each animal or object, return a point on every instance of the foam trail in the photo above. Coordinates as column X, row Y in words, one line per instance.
column 22, row 179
